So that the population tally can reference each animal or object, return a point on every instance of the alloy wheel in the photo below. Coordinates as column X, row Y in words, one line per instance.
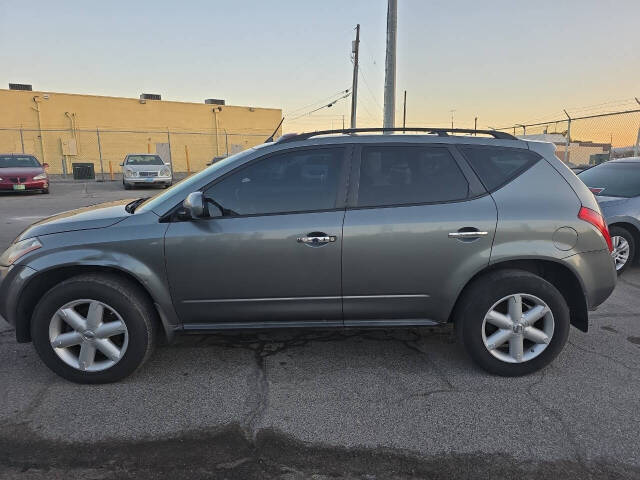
column 517, row 328
column 620, row 251
column 88, row 335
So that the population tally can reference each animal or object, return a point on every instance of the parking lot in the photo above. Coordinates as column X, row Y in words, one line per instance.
column 323, row 404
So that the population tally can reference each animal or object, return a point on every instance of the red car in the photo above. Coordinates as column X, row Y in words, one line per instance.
column 20, row 172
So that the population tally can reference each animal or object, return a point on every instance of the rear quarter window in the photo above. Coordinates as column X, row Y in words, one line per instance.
column 496, row 166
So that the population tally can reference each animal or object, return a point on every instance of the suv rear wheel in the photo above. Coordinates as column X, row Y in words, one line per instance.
column 512, row 322
column 94, row 328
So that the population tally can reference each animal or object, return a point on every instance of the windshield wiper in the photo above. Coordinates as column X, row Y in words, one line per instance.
column 131, row 206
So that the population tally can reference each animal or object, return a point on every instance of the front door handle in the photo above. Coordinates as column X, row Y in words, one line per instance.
column 468, row 234
column 317, row 239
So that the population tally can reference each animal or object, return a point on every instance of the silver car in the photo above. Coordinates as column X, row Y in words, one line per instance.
column 145, row 169
column 616, row 185
column 323, row 230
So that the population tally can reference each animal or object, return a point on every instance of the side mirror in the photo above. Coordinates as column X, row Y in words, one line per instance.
column 167, row 164
column 45, row 165
column 194, row 204
column 122, row 164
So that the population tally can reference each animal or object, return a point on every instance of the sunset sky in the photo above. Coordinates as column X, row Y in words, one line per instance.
column 503, row 61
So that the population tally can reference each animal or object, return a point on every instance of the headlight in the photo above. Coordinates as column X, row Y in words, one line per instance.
column 18, row 250
column 42, row 176
column 130, row 173
column 165, row 172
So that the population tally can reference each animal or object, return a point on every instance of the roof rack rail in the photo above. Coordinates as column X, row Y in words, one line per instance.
column 442, row 132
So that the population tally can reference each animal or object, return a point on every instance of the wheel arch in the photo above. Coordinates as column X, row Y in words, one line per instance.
column 559, row 275
column 45, row 280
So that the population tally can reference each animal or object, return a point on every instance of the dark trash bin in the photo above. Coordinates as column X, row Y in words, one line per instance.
column 83, row 171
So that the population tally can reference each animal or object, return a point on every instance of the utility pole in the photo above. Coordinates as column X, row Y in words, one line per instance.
column 452, row 112
column 404, row 111
column 390, row 65
column 355, row 47
column 475, row 125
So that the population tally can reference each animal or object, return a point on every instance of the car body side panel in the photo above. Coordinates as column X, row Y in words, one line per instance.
column 597, row 274
column 538, row 218
column 627, row 211
column 398, row 262
column 254, row 269
column 547, row 150
column 134, row 246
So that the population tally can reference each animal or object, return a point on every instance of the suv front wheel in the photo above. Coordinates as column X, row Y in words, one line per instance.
column 94, row 328
column 512, row 322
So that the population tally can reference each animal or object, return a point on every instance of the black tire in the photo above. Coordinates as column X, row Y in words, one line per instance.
column 45, row 191
column 483, row 293
column 616, row 231
column 126, row 185
column 125, row 297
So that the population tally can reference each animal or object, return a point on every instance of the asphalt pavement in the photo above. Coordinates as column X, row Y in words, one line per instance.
column 352, row 404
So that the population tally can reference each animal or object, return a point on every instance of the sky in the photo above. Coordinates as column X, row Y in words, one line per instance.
column 505, row 62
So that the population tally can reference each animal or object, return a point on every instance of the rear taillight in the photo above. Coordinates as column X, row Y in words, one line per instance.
column 595, row 219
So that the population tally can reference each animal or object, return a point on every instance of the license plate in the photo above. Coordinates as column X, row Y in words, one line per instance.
column 18, row 187
column 148, row 179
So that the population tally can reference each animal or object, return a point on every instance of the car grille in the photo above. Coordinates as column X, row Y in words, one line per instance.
column 18, row 179
column 148, row 174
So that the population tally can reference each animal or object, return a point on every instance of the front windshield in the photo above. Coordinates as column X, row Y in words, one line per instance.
column 18, row 161
column 616, row 179
column 144, row 160
column 188, row 182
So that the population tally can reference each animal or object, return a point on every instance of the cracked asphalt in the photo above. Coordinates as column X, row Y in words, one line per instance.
column 353, row 404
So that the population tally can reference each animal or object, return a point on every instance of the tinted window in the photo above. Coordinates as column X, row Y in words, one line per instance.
column 496, row 166
column 396, row 175
column 613, row 179
column 144, row 160
column 18, row 161
column 297, row 181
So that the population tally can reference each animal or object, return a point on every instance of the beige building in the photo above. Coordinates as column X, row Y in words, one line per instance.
column 64, row 129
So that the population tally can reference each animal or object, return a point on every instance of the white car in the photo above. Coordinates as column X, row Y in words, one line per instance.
column 145, row 169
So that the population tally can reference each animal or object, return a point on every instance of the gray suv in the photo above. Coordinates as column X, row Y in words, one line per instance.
column 330, row 229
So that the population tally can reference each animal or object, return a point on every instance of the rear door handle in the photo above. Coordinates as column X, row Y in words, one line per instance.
column 468, row 234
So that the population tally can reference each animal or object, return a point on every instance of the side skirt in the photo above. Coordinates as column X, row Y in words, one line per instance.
column 375, row 323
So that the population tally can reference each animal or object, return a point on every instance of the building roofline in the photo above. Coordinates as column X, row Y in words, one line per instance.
column 48, row 92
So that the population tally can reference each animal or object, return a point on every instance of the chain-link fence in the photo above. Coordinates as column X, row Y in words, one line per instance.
column 587, row 140
column 99, row 153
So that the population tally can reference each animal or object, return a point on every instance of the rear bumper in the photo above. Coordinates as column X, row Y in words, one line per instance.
column 33, row 185
column 597, row 274
column 12, row 281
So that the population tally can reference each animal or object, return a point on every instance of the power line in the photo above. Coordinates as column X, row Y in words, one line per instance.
column 328, row 105
column 324, row 99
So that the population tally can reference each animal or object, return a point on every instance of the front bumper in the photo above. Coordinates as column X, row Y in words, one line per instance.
column 148, row 180
column 26, row 186
column 12, row 281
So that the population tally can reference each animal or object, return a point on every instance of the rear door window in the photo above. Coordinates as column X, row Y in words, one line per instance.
column 497, row 165
column 401, row 175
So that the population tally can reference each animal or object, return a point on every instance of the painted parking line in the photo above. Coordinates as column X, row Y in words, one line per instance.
column 27, row 218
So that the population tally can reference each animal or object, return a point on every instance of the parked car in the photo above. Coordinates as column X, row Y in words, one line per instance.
column 145, row 169
column 216, row 159
column 580, row 168
column 20, row 172
column 322, row 230
column 616, row 185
